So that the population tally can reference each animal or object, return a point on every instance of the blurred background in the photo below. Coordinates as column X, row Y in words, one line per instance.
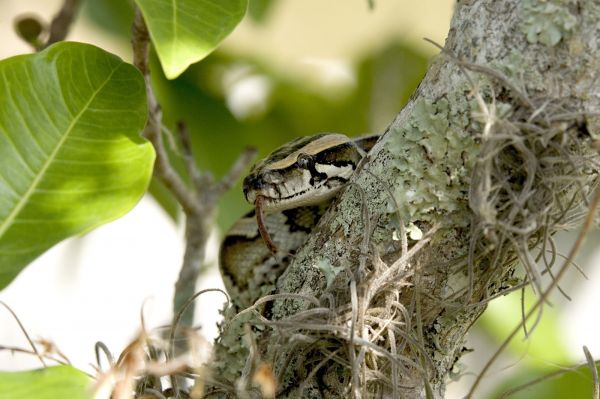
column 291, row 68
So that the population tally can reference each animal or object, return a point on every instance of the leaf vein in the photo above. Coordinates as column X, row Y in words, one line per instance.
column 37, row 179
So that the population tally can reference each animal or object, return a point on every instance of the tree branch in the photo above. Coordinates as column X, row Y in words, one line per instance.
column 61, row 23
column 199, row 201
column 153, row 130
column 477, row 154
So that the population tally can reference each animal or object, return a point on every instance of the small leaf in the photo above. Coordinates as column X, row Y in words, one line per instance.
column 29, row 28
column 71, row 157
column 49, row 383
column 186, row 31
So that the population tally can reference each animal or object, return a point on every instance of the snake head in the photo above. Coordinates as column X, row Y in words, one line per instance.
column 306, row 171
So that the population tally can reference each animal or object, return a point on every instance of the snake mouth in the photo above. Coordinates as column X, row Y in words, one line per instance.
column 273, row 200
column 267, row 199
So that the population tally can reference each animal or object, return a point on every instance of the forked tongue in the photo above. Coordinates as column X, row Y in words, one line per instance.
column 262, row 227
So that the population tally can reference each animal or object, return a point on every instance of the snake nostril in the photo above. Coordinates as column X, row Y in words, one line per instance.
column 251, row 185
column 253, row 182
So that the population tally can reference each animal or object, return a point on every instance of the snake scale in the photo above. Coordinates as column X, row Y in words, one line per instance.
column 291, row 189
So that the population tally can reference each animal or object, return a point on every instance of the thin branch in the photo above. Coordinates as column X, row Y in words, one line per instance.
column 177, row 319
column 61, row 23
column 594, row 370
column 188, row 156
column 100, row 347
column 236, row 171
column 17, row 349
column 198, row 201
column 33, row 347
column 162, row 167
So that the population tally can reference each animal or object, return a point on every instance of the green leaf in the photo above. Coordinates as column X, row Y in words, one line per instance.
column 29, row 28
column 186, row 31
column 49, row 383
column 71, row 157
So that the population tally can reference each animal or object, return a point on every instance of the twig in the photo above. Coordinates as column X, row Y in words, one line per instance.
column 198, row 225
column 162, row 167
column 101, row 347
column 197, row 228
column 14, row 315
column 594, row 370
column 198, row 201
column 236, row 170
column 17, row 349
column 188, row 156
column 196, row 215
column 179, row 314
column 61, row 23
column 177, row 319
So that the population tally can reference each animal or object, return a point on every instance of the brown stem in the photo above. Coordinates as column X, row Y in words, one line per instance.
column 162, row 166
column 198, row 214
column 61, row 23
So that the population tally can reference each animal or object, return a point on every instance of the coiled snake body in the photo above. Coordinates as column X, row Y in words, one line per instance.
column 291, row 189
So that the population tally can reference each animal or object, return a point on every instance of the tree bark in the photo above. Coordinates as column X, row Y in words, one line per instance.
column 491, row 156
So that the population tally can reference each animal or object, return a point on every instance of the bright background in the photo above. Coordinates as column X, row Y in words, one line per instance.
column 294, row 68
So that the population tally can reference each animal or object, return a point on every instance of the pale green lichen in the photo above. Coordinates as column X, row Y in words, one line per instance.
column 547, row 22
column 521, row 71
column 434, row 158
column 232, row 352
column 329, row 270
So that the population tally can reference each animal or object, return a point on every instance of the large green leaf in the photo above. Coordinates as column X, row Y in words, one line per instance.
column 71, row 157
column 185, row 31
column 49, row 383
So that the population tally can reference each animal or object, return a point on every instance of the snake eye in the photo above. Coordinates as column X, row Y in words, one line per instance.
column 305, row 161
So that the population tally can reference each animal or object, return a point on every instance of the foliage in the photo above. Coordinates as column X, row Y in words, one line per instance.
column 186, row 31
column 70, row 149
column 48, row 383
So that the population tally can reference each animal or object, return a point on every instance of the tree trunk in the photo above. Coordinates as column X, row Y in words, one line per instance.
column 490, row 157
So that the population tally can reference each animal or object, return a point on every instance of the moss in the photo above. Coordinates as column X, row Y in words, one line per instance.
column 547, row 22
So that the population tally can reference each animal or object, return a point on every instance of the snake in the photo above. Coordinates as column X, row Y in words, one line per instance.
column 291, row 188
